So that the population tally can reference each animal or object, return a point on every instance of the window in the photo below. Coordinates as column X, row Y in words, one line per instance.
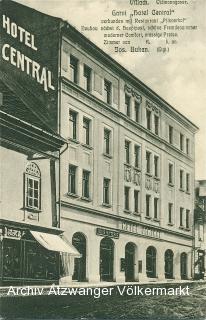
column 156, row 166
column 181, row 217
column 169, row 264
column 156, row 205
column 137, row 111
column 151, row 262
column 73, row 69
column 32, row 181
column 170, row 213
column 85, row 183
column 127, row 105
column 148, row 162
column 107, row 91
column 137, row 155
column 181, row 179
column 148, row 205
column 156, row 124
column 187, row 219
column 126, row 198
column 136, row 201
column 170, row 173
column 187, row 146
column 72, row 179
column 187, row 182
column 170, row 134
column 127, row 152
column 106, row 191
column 107, row 134
column 73, row 125
column 86, row 131
column 87, row 78
column 181, row 142
column 148, row 117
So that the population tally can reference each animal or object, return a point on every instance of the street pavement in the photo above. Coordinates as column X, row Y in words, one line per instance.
column 192, row 306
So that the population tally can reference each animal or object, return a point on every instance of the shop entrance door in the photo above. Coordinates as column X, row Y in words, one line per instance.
column 79, row 242
column 106, row 259
column 129, row 261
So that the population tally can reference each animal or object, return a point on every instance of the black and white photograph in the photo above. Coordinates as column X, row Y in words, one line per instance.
column 103, row 159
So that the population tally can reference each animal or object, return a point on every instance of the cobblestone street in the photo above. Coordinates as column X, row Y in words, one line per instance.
column 114, row 307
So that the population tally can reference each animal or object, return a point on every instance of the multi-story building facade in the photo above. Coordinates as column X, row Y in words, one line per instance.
column 127, row 177
column 127, row 180
column 200, row 230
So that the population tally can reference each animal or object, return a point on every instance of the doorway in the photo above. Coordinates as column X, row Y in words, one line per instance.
column 130, row 261
column 106, row 259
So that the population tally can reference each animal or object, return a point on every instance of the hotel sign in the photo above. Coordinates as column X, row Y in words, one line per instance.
column 140, row 230
column 107, row 233
column 29, row 48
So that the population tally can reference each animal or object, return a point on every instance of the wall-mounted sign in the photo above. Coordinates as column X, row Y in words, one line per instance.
column 29, row 47
column 13, row 233
column 139, row 229
column 107, row 233
column 122, row 264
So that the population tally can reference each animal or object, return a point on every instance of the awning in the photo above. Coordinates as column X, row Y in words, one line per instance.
column 55, row 243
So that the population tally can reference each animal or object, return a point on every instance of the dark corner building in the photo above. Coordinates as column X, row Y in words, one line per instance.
column 32, row 250
column 200, row 230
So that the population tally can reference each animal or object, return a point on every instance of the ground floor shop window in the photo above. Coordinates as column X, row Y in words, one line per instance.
column 169, row 264
column 79, row 242
column 129, row 261
column 11, row 258
column 151, row 262
column 183, row 265
column 26, row 261
column 106, row 259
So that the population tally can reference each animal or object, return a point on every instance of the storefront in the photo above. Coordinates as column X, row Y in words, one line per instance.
column 32, row 255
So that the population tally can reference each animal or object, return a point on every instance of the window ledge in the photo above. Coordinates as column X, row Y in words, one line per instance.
column 107, row 155
column 73, row 140
column 147, row 217
column 107, row 205
column 34, row 210
column 170, row 224
column 182, row 190
column 128, row 165
column 156, row 220
column 87, row 146
column 127, row 211
column 137, row 214
column 188, row 192
column 86, row 199
column 170, row 184
column 73, row 195
column 181, row 227
column 187, row 229
column 157, row 178
column 137, row 168
column 148, row 174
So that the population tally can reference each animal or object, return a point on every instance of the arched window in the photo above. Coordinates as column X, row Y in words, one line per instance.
column 151, row 262
column 169, row 264
column 32, row 183
column 183, row 265
column 79, row 242
column 106, row 259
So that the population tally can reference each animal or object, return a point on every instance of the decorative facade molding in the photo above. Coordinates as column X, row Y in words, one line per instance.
column 133, row 93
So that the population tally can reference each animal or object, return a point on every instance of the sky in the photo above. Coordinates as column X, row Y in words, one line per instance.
column 178, row 76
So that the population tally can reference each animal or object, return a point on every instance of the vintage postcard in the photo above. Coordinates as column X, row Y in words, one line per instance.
column 103, row 159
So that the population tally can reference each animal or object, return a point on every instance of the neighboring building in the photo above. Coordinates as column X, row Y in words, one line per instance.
column 200, row 230
column 127, row 178
column 30, row 237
